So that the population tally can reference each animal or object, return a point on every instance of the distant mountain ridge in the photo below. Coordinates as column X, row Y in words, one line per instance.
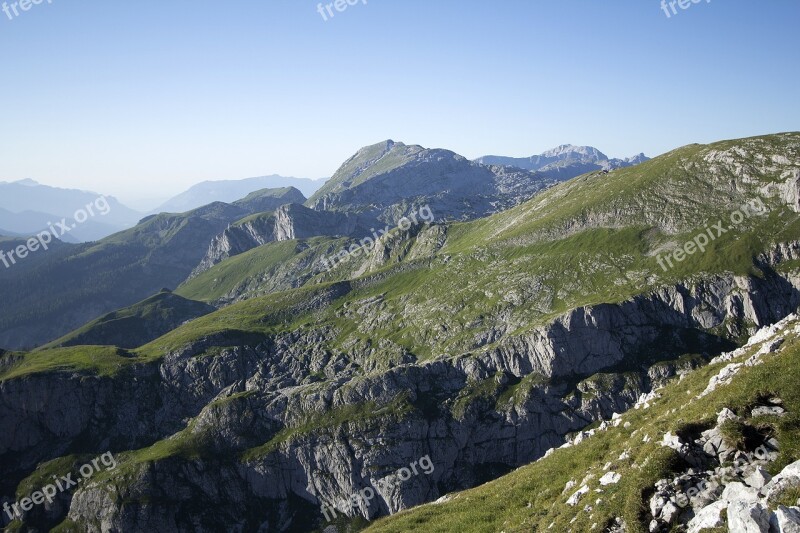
column 229, row 191
column 565, row 160
column 160, row 251
column 28, row 207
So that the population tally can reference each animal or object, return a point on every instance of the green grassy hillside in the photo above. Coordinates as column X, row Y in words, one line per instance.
column 138, row 324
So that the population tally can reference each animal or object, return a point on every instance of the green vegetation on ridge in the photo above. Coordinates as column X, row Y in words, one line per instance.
column 594, row 239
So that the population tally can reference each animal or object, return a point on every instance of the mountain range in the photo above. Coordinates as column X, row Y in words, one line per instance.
column 378, row 185
column 27, row 207
column 565, row 161
column 529, row 341
column 231, row 190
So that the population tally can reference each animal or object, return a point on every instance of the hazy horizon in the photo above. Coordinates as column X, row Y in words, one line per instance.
column 275, row 88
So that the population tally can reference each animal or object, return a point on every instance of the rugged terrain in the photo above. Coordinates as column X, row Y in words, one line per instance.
column 479, row 344
column 388, row 180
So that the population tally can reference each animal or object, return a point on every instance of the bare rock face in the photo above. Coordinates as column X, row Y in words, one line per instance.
column 290, row 221
column 248, row 391
column 790, row 191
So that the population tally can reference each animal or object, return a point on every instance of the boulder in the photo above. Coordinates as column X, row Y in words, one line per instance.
column 789, row 478
column 707, row 517
column 670, row 512
column 576, row 497
column 765, row 410
column 610, row 478
column 755, row 476
column 745, row 517
column 737, row 492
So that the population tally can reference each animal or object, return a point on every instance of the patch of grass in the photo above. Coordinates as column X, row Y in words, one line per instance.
column 733, row 434
column 226, row 277
column 96, row 360
column 43, row 475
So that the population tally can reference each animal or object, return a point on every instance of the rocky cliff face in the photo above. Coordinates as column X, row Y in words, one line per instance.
column 291, row 221
column 258, row 451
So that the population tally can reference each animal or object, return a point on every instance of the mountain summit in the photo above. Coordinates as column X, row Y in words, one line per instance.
column 387, row 179
column 565, row 161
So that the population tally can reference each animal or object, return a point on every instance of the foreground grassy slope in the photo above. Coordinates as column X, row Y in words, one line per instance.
column 533, row 498
column 594, row 239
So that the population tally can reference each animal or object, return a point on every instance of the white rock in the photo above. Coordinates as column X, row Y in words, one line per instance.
column 790, row 471
column 576, row 497
column 764, row 410
column 737, row 492
column 725, row 376
column 746, row 517
column 788, row 478
column 571, row 483
column 657, row 503
column 725, row 415
column 670, row 512
column 671, row 441
column 610, row 478
column 757, row 478
column 707, row 517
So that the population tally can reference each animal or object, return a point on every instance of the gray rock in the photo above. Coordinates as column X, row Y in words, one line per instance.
column 785, row 520
column 744, row 517
column 756, row 477
column 707, row 517
column 739, row 492
column 670, row 513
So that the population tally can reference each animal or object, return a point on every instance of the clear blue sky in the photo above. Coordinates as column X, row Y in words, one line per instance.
column 147, row 98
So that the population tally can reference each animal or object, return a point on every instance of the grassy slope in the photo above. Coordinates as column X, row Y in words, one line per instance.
column 162, row 311
column 531, row 498
column 254, row 268
column 526, row 264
